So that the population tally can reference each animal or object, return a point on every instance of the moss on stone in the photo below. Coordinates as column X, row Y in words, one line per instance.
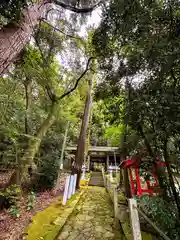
column 83, row 182
column 121, row 197
column 146, row 236
column 127, row 230
column 43, row 224
column 128, row 233
column 42, row 221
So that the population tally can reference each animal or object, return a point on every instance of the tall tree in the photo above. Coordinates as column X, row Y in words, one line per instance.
column 35, row 142
column 15, row 35
column 80, row 153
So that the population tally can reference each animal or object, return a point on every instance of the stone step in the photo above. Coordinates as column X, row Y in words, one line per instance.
column 96, row 179
column 92, row 180
column 96, row 183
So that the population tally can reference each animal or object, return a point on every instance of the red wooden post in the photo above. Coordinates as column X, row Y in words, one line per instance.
column 132, row 182
column 148, row 184
column 139, row 190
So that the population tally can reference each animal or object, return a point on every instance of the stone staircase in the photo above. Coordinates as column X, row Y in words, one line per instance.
column 96, row 179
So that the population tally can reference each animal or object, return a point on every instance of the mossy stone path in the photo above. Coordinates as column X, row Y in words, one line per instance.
column 92, row 218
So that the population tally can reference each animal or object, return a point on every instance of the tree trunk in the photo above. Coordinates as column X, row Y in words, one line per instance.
column 124, row 178
column 63, row 146
column 126, row 183
column 87, row 160
column 34, row 143
column 123, row 144
column 149, row 149
column 121, row 180
column 80, row 154
column 27, row 86
column 14, row 36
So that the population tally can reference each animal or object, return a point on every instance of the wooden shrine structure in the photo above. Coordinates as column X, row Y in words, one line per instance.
column 100, row 154
column 137, row 188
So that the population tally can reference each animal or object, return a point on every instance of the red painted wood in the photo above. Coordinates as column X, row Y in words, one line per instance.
column 131, row 163
column 134, row 163
column 139, row 190
column 149, row 191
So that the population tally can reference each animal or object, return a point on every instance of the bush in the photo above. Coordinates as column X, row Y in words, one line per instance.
column 11, row 195
column 48, row 173
column 14, row 210
column 163, row 214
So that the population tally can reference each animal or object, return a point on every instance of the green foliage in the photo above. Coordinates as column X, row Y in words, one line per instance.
column 12, row 10
column 136, row 45
column 48, row 172
column 97, row 128
column 14, row 210
column 138, row 101
column 11, row 194
column 163, row 214
column 31, row 200
column 26, row 97
column 113, row 134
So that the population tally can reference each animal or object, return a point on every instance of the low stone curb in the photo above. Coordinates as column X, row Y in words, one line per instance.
column 60, row 221
column 67, row 212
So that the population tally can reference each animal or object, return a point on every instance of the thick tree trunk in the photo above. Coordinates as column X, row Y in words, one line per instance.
column 87, row 160
column 14, row 36
column 34, row 143
column 80, row 154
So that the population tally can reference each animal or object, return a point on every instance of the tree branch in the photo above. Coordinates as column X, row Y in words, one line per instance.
column 58, row 30
column 77, row 10
column 40, row 50
column 77, row 81
column 51, row 95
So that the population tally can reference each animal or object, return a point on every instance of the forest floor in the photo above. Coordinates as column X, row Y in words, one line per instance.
column 92, row 218
column 12, row 228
